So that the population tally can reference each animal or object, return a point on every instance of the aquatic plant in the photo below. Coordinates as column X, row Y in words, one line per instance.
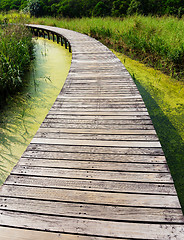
column 16, row 52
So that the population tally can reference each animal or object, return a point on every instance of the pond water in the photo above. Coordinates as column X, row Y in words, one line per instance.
column 23, row 115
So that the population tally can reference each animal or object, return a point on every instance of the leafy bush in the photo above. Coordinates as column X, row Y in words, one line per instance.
column 34, row 7
column 100, row 9
column 120, row 7
column 134, row 7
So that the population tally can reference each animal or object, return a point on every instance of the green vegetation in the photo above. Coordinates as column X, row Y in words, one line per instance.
column 16, row 52
column 157, row 42
column 164, row 99
column 89, row 8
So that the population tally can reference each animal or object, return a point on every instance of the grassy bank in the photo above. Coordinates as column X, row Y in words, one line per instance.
column 157, row 42
column 16, row 52
column 164, row 99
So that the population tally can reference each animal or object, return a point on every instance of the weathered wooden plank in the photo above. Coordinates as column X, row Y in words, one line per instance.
column 97, row 93
column 64, row 97
column 99, row 131
column 103, row 78
column 93, row 227
column 100, row 122
column 127, row 101
column 88, row 211
column 93, row 157
column 130, row 144
column 102, row 88
column 93, row 197
column 96, row 101
column 102, row 126
column 97, row 149
column 92, row 117
column 94, row 174
column 98, row 112
column 86, row 92
column 10, row 233
column 60, row 134
column 115, row 80
column 110, row 166
column 98, row 74
column 93, row 93
column 109, row 110
column 102, row 105
column 93, row 185
column 103, row 84
column 91, row 86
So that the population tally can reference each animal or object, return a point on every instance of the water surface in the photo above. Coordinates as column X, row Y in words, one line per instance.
column 23, row 115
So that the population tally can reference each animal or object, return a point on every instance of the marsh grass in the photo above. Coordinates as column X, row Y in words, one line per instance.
column 158, row 42
column 16, row 53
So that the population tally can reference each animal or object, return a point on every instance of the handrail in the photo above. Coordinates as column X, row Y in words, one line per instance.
column 40, row 32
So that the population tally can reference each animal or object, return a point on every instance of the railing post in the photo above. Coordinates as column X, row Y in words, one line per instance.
column 61, row 41
column 57, row 39
column 36, row 32
column 43, row 32
column 65, row 43
column 48, row 35
column 70, row 50
column 39, row 33
column 53, row 37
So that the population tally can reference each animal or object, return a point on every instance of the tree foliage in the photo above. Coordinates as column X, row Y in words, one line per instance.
column 88, row 8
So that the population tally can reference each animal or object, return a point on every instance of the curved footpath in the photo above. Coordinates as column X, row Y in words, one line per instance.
column 95, row 169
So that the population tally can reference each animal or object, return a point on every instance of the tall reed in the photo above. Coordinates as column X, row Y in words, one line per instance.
column 16, row 52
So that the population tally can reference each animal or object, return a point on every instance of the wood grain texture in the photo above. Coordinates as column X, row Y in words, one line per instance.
column 93, row 185
column 93, row 227
column 91, row 211
column 93, row 197
column 95, row 169
column 8, row 233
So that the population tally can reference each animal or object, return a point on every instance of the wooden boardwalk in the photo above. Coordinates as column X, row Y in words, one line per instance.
column 95, row 169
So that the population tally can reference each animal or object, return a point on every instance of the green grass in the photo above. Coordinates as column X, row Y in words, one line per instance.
column 16, row 52
column 164, row 100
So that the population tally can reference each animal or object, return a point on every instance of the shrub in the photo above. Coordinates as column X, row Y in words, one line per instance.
column 34, row 7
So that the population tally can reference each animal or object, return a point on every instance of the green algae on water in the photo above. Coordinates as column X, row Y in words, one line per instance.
column 24, row 113
column 164, row 99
